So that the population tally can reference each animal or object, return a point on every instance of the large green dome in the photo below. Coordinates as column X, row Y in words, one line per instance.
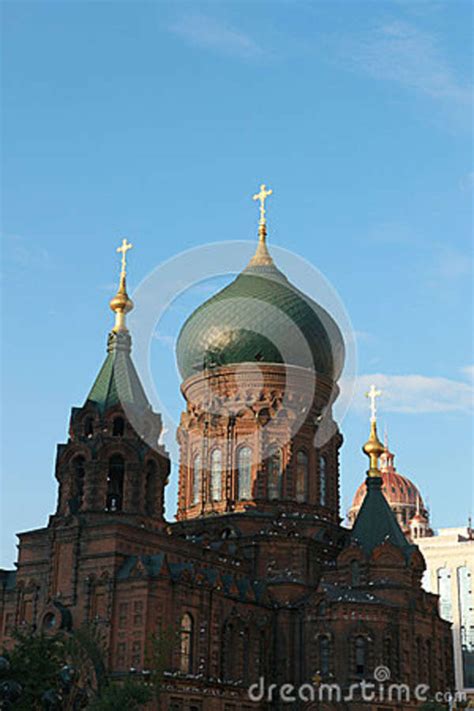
column 260, row 317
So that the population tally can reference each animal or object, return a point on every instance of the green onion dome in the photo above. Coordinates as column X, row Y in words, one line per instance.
column 260, row 317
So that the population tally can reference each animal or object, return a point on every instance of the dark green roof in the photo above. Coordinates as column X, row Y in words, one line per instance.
column 376, row 523
column 260, row 317
column 118, row 381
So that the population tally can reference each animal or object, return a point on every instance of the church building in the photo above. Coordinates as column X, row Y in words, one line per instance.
column 257, row 579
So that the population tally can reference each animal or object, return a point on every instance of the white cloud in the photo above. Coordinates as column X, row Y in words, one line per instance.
column 207, row 32
column 468, row 370
column 400, row 52
column 417, row 394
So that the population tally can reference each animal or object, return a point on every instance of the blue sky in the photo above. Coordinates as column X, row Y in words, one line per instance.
column 158, row 121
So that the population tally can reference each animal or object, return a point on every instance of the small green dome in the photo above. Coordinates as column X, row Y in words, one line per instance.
column 260, row 317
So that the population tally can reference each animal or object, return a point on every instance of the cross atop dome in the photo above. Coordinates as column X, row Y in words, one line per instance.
column 262, row 256
column 121, row 303
column 373, row 394
column 262, row 196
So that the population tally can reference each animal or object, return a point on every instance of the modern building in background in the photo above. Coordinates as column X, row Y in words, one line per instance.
column 449, row 557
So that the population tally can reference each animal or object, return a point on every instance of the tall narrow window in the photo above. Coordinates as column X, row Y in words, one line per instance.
column 388, row 654
column 115, row 483
column 197, row 472
column 324, row 655
column 274, row 474
column 150, row 488
column 78, row 465
column 244, row 469
column 245, row 639
column 301, row 475
column 186, row 644
column 216, row 474
column 118, row 427
column 228, row 651
column 444, row 592
column 89, row 427
column 360, row 656
column 355, row 572
column 322, row 480
column 466, row 611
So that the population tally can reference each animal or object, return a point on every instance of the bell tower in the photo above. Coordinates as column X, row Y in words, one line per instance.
column 113, row 464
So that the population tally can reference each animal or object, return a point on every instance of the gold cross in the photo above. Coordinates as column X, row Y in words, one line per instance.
column 124, row 249
column 262, row 196
column 373, row 394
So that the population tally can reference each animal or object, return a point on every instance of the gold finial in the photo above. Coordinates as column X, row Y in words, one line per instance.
column 121, row 303
column 262, row 255
column 373, row 447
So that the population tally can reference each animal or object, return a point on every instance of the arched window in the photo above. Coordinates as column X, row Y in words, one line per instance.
column 186, row 644
column 196, row 478
column 118, row 427
column 115, row 483
column 360, row 655
column 244, row 468
column 274, row 474
column 322, row 480
column 355, row 572
column 89, row 427
column 150, row 488
column 78, row 466
column 324, row 655
column 216, row 474
column 301, row 475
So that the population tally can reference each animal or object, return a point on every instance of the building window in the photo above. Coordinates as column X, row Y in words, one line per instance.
column 123, row 614
column 228, row 652
column 324, row 655
column 274, row 474
column 138, row 613
column 186, row 644
column 196, row 478
column 89, row 427
column 388, row 656
column 245, row 646
column 78, row 465
column 118, row 427
column 150, row 488
column 136, row 654
column 244, row 468
column 444, row 592
column 466, row 613
column 360, row 656
column 115, row 483
column 355, row 572
column 49, row 621
column 216, row 474
column 301, row 476
column 121, row 652
column 322, row 480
